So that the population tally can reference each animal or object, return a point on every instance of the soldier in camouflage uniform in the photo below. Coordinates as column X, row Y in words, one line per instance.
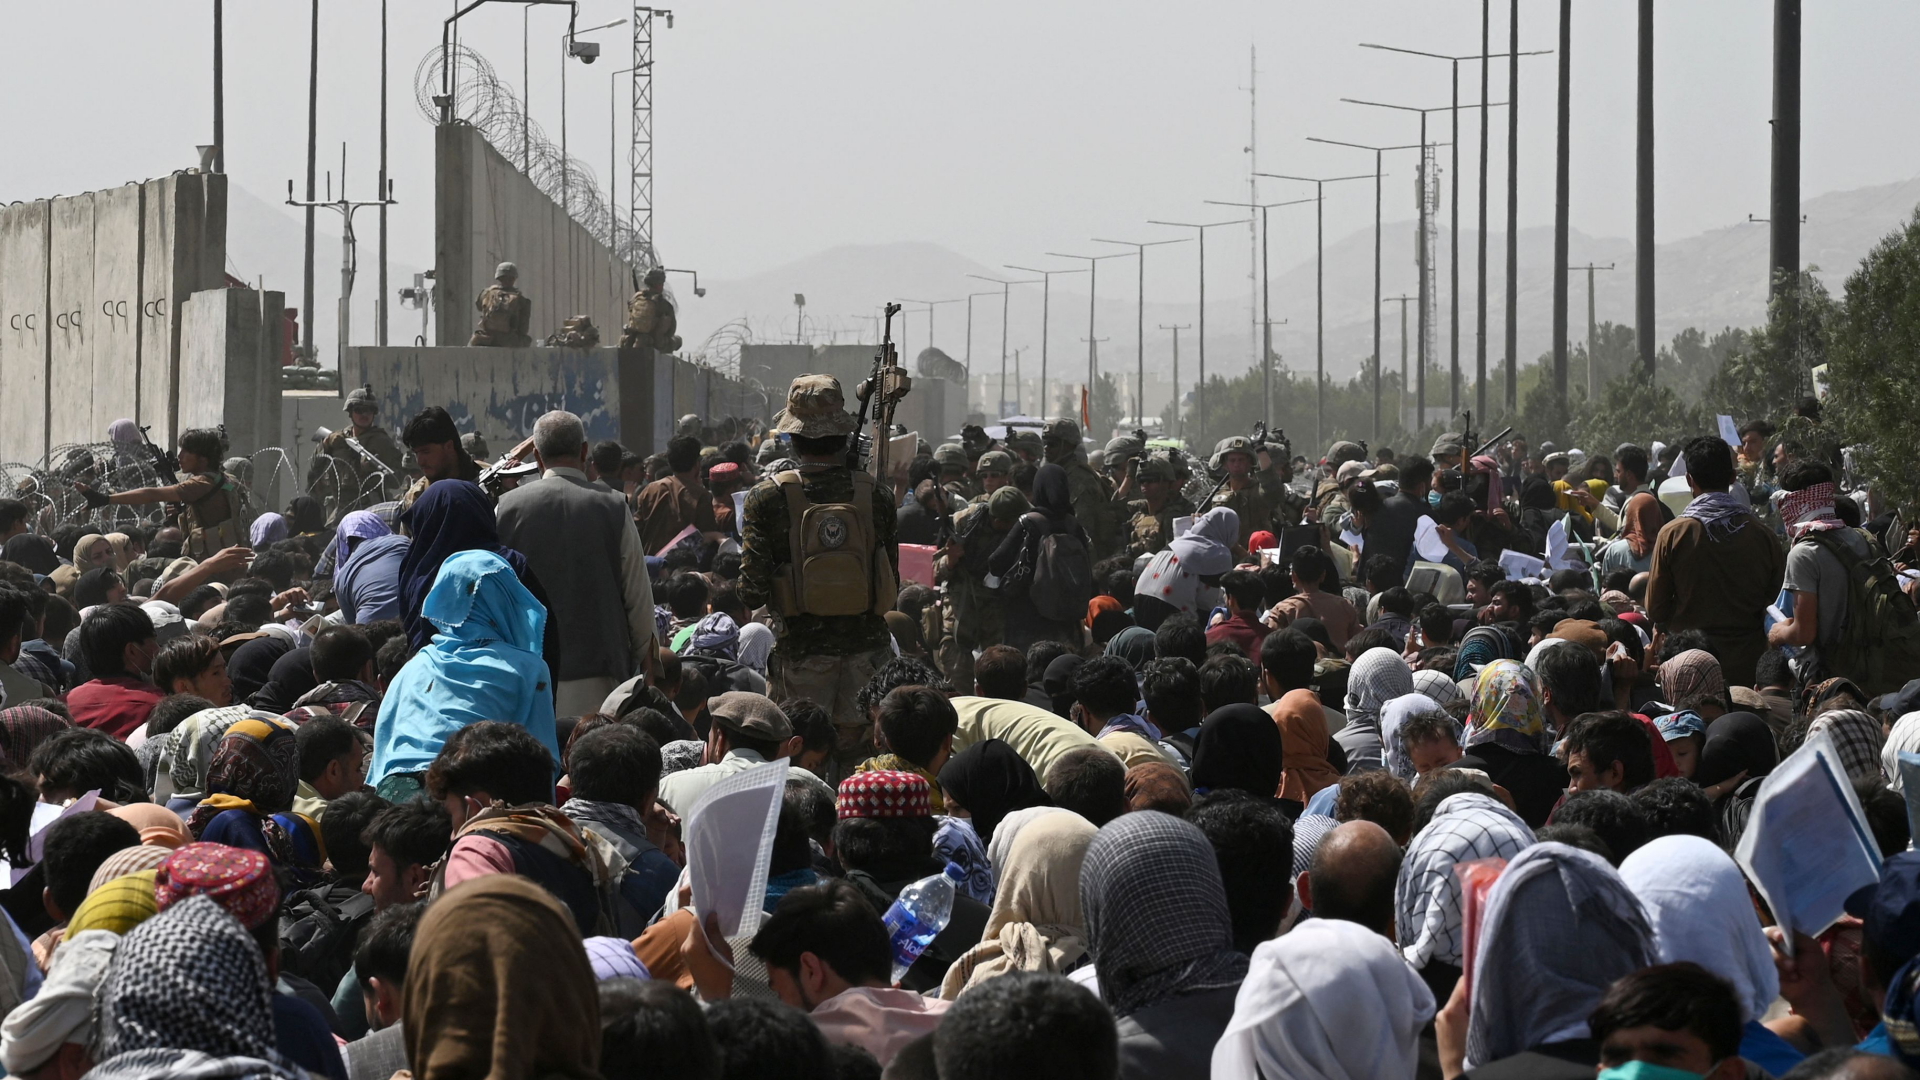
column 1153, row 515
column 828, row 658
column 1093, row 502
column 1260, row 496
column 1026, row 446
column 208, row 508
column 978, row 613
column 650, row 317
column 952, row 459
column 355, row 473
column 1330, row 497
column 505, row 314
column 994, row 471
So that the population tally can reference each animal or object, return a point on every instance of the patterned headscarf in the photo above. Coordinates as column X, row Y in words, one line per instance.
column 1506, row 709
column 189, row 979
column 716, row 635
column 614, row 958
column 256, row 768
column 24, row 727
column 1377, row 677
column 127, row 861
column 1856, row 736
column 1438, row 685
column 118, row 906
column 1399, row 758
column 1482, row 646
column 1153, row 900
column 190, row 750
column 1721, row 513
column 1426, row 899
column 1691, row 677
column 1810, row 510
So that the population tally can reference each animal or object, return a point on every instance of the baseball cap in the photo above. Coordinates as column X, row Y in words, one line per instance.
column 1902, row 701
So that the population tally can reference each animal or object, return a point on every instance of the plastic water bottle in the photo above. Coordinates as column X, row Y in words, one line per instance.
column 918, row 916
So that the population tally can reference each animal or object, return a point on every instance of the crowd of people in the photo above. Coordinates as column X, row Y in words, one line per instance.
column 1376, row 766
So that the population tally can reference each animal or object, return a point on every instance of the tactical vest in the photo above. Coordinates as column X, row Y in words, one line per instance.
column 496, row 311
column 213, row 522
column 833, row 569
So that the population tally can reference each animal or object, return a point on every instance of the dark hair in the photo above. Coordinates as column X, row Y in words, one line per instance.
column 1181, row 635
column 1001, row 672
column 1675, row 806
column 1091, row 782
column 107, row 632
column 1244, row 586
column 1227, row 680
column 1379, row 797
column 1039, row 655
column 834, row 922
column 765, row 1040
column 1572, row 675
column 1314, row 567
column 1436, row 625
column 321, row 740
column 503, row 760
column 170, row 711
column 1382, row 570
column 1365, row 641
column 339, row 653
column 1289, row 656
column 873, row 842
column 1027, row 1026
column 1171, row 688
column 1397, row 600
column 1414, row 471
column 815, row 806
column 1799, row 475
column 1105, row 686
column 1516, row 594
column 1429, row 726
column 391, row 657
column 1634, row 460
column 412, row 833
column 1437, row 788
column 185, row 657
column 79, row 760
column 1709, row 462
column 1672, row 997
column 653, row 1030
column 343, row 830
column 12, row 513
column 1607, row 737
column 683, row 453
column 1886, row 814
column 385, row 945
column 206, row 442
column 1614, row 816
column 916, row 721
column 75, row 848
column 1687, row 640
column 687, row 594
column 608, row 454
column 894, row 674
column 1106, row 626
column 276, row 567
column 615, row 763
column 811, row 721
column 14, row 605
column 1253, row 844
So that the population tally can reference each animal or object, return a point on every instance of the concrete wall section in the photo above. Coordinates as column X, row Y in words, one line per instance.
column 69, row 297
column 23, row 331
column 499, row 392
column 230, row 360
column 302, row 414
column 487, row 212
column 114, row 316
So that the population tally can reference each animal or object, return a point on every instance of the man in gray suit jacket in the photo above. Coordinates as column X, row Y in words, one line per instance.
column 582, row 545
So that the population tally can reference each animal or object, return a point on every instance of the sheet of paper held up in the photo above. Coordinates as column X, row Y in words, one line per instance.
column 1807, row 846
column 44, row 815
column 726, row 866
column 1521, row 566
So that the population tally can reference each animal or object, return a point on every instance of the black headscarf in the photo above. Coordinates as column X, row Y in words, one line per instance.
column 450, row 516
column 252, row 664
column 33, row 551
column 288, row 681
column 93, row 586
column 1538, row 494
column 1057, row 683
column 1239, row 747
column 306, row 515
column 991, row 781
column 1736, row 742
column 1053, row 499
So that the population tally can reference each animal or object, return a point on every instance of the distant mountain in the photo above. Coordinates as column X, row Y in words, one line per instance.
column 1712, row 280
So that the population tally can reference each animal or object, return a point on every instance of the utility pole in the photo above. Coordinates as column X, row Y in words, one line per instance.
column 1093, row 284
column 1200, row 393
column 1593, row 331
column 1480, row 284
column 1785, row 212
column 1562, row 158
column 1513, row 198
column 1266, row 302
column 380, row 297
column 1403, row 300
column 1176, row 328
column 313, row 114
column 1643, row 199
column 349, row 247
column 1093, row 345
column 969, row 360
column 1140, row 319
column 220, row 85
column 1255, row 238
column 1005, row 292
column 1046, row 308
column 1319, row 294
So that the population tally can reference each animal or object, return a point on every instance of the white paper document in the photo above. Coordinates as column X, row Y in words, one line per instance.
column 1521, row 566
column 1807, row 846
column 726, row 864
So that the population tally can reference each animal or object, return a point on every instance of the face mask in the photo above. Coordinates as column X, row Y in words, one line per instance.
column 1644, row 1070
column 1433, row 498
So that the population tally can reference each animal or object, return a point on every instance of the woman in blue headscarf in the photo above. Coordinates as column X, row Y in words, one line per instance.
column 449, row 517
column 484, row 664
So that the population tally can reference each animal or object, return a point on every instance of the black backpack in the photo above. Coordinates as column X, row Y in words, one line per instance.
column 1062, row 581
column 318, row 930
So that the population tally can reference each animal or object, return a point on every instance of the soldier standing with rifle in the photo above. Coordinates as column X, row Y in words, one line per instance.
column 505, row 314
column 818, row 549
column 362, row 448
column 210, row 509
column 1259, row 495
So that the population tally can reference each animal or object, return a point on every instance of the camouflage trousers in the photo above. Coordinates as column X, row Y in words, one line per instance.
column 976, row 628
column 833, row 682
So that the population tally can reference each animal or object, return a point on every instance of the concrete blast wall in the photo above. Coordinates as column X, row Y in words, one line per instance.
column 934, row 407
column 91, row 292
column 486, row 212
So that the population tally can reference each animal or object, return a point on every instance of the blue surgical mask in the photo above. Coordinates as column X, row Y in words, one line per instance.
column 1646, row 1070
column 1433, row 498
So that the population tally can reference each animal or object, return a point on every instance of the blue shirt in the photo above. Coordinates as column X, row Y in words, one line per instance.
column 368, row 584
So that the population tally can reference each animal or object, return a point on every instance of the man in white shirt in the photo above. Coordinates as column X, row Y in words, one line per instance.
column 748, row 730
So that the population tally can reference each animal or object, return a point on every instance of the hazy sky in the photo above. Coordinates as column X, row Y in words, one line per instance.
column 999, row 129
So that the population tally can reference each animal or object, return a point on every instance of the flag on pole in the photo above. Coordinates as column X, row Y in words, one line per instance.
column 1086, row 418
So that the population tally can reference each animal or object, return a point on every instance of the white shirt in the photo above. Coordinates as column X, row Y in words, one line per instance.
column 682, row 789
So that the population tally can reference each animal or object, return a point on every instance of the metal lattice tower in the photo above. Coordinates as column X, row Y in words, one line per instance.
column 640, row 157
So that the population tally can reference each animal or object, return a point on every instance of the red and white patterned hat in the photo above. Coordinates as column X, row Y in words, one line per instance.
column 885, row 793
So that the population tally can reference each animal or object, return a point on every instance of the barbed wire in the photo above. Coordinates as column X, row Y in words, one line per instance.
column 492, row 107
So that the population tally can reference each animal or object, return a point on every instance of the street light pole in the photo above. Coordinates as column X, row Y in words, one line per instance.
column 1319, row 293
column 1402, row 300
column 1266, row 302
column 1140, row 319
column 1093, row 285
column 1005, row 293
column 969, row 361
column 1200, row 396
column 1176, row 328
column 1046, row 308
column 1593, row 334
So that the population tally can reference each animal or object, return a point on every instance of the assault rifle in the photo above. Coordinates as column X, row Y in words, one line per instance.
column 879, row 394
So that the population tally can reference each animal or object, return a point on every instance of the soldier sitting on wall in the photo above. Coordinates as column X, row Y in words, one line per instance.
column 505, row 314
column 650, row 317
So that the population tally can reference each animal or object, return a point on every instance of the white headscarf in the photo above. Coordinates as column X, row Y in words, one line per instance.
column 1377, row 677
column 1001, row 846
column 1438, row 685
column 1331, row 1000
column 1697, row 902
column 1173, row 575
column 63, row 1010
column 1396, row 713
column 1903, row 739
column 756, row 642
